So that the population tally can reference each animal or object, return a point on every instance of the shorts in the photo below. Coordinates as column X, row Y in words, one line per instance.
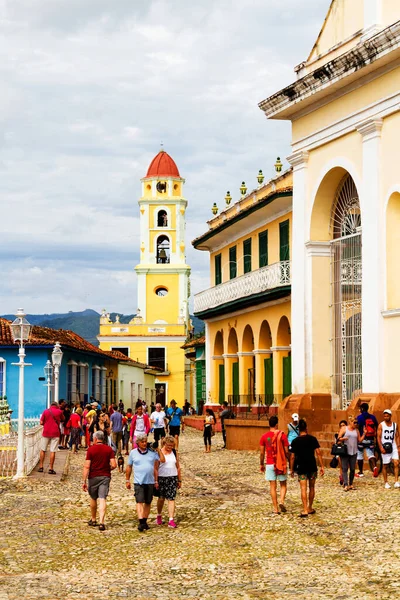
column 387, row 458
column 44, row 442
column 98, row 487
column 270, row 474
column 370, row 453
column 159, row 432
column 143, row 492
column 167, row 487
column 174, row 430
column 309, row 476
column 117, row 437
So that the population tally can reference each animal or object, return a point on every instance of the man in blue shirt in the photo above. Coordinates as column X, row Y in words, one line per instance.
column 144, row 461
column 176, row 418
column 116, row 429
column 368, row 426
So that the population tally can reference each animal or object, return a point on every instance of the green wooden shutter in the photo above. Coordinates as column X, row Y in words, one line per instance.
column 218, row 272
column 235, row 382
column 263, row 249
column 221, row 383
column 269, row 380
column 232, row 263
column 247, row 256
column 284, row 241
column 287, row 375
column 200, row 368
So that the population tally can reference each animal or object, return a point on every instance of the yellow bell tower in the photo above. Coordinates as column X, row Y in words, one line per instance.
column 161, row 325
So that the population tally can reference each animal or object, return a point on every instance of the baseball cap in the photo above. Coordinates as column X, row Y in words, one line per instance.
column 388, row 411
column 295, row 416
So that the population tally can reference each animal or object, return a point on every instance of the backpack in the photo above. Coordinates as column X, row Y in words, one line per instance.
column 370, row 428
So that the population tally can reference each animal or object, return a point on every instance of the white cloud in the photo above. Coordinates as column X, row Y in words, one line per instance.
column 89, row 89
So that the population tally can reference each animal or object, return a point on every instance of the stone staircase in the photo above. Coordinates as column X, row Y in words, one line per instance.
column 326, row 437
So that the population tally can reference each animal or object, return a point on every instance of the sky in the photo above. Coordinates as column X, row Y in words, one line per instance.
column 90, row 88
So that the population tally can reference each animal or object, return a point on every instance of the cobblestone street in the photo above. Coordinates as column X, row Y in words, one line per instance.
column 227, row 545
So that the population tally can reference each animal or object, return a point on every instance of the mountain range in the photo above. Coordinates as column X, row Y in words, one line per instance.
column 86, row 323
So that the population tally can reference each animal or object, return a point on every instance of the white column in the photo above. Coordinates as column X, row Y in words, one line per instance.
column 208, row 364
column 372, row 257
column 372, row 18
column 299, row 162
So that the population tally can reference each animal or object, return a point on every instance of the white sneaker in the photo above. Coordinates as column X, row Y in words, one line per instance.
column 387, row 486
column 397, row 485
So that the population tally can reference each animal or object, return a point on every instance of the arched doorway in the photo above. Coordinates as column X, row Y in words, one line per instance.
column 248, row 374
column 232, row 366
column 346, row 274
column 283, row 357
column 163, row 250
column 219, row 366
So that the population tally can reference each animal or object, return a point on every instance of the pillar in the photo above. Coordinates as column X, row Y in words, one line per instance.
column 229, row 359
column 299, row 162
column 372, row 258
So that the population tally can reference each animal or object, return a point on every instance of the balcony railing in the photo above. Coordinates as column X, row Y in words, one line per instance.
column 255, row 282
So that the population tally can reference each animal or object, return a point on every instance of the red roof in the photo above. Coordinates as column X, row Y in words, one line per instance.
column 162, row 165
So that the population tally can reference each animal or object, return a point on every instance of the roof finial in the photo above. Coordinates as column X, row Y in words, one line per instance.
column 162, row 146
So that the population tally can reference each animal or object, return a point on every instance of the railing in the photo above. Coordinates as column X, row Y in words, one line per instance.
column 255, row 282
column 8, row 448
column 253, row 406
column 28, row 423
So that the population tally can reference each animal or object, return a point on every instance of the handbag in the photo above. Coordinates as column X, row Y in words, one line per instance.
column 388, row 447
column 339, row 449
column 334, row 462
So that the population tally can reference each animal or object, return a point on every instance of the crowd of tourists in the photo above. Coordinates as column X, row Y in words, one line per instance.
column 297, row 453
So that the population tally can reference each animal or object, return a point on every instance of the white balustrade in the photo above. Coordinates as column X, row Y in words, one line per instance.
column 32, row 447
column 255, row 282
column 8, row 448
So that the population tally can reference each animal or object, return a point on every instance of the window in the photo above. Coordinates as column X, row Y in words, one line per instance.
column 232, row 263
column 103, row 390
column 162, row 218
column 140, row 391
column 263, row 249
column 247, row 256
column 133, row 392
column 218, row 271
column 124, row 351
column 2, row 377
column 163, row 250
column 284, row 241
column 156, row 358
column 96, row 382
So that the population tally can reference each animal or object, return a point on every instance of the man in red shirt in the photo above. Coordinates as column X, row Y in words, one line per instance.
column 274, row 450
column 100, row 461
column 50, row 419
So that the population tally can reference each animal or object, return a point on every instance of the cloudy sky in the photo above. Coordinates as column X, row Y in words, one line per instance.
column 89, row 88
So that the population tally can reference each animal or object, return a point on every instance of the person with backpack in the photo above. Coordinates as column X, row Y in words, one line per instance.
column 274, row 448
column 367, row 425
column 388, row 441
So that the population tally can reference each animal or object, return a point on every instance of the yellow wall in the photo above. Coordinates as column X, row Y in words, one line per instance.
column 128, row 374
column 273, row 248
column 345, row 18
column 153, row 211
column 176, row 189
column 390, row 12
column 165, row 307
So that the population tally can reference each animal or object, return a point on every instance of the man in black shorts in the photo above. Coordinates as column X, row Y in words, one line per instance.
column 302, row 460
column 176, row 419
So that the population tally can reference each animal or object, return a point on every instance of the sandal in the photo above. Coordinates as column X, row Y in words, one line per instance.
column 52, row 472
column 40, row 470
column 303, row 516
column 102, row 527
column 283, row 508
column 311, row 512
column 92, row 523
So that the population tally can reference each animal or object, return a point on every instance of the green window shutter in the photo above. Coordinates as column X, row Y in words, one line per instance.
column 284, row 241
column 218, row 271
column 198, row 381
column 232, row 263
column 287, row 375
column 235, row 382
column 221, row 386
column 263, row 249
column 269, row 380
column 247, row 256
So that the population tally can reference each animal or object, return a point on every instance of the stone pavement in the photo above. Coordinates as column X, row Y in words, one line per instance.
column 227, row 545
column 61, row 463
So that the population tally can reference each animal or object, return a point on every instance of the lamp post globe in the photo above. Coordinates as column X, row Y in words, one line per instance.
column 48, row 372
column 56, row 359
column 21, row 331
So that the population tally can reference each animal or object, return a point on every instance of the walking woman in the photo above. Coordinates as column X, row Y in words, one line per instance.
column 168, row 480
column 209, row 421
column 350, row 435
column 342, row 423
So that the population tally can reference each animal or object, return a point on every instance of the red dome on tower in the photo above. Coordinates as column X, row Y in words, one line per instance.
column 162, row 165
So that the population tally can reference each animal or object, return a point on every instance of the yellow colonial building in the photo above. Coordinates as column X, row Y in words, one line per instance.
column 247, row 308
column 345, row 112
column 156, row 335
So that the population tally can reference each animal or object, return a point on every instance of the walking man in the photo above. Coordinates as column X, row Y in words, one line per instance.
column 274, row 451
column 116, row 429
column 226, row 413
column 176, row 419
column 388, row 440
column 50, row 419
column 158, row 422
column 145, row 463
column 367, row 425
column 293, row 428
column 96, row 477
column 302, row 460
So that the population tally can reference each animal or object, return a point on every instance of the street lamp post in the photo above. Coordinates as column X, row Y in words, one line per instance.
column 56, row 359
column 48, row 371
column 21, row 330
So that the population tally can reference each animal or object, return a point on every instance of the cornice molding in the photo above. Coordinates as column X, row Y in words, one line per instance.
column 299, row 159
column 370, row 129
column 322, row 249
